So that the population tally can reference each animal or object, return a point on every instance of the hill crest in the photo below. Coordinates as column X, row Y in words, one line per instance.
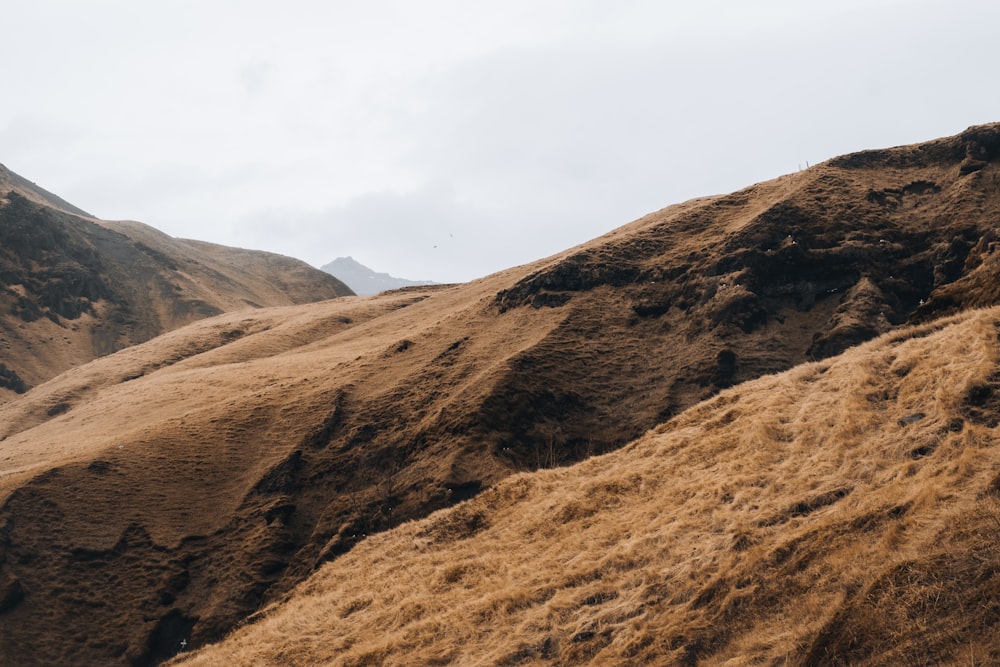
column 9, row 181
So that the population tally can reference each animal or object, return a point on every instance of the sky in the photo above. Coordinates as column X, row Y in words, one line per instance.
column 445, row 139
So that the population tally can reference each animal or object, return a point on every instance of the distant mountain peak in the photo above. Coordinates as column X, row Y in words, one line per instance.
column 365, row 281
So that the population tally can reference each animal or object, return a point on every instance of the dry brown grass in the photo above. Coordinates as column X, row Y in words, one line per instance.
column 167, row 492
column 845, row 512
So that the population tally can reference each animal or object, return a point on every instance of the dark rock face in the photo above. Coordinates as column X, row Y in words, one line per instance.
column 10, row 380
column 56, row 264
column 11, row 591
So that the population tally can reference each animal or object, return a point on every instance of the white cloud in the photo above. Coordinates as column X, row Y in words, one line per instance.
column 380, row 129
column 426, row 234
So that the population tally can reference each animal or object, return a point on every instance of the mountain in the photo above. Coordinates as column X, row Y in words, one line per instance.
column 171, row 491
column 11, row 182
column 363, row 280
column 845, row 512
column 73, row 287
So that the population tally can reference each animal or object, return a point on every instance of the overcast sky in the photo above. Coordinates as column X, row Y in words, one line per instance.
column 444, row 140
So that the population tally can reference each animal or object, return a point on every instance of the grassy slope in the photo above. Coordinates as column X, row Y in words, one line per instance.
column 170, row 490
column 844, row 512
column 73, row 288
column 161, row 482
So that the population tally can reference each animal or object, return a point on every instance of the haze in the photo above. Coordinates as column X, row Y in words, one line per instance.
column 445, row 140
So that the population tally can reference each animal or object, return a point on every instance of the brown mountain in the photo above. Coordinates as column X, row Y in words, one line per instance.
column 73, row 288
column 164, row 493
column 843, row 513
column 11, row 182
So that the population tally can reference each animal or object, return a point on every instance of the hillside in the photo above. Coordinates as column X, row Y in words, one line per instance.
column 846, row 512
column 73, row 288
column 365, row 281
column 11, row 182
column 166, row 492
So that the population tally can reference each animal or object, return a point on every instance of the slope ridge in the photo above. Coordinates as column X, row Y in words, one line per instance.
column 9, row 181
column 844, row 512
